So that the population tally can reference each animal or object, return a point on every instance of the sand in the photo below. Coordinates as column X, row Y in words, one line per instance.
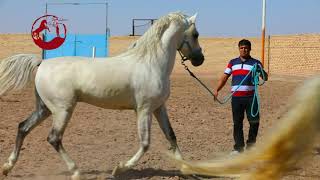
column 97, row 139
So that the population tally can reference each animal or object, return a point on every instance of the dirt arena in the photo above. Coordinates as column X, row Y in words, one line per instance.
column 97, row 139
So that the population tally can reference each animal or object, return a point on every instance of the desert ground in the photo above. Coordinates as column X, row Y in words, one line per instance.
column 98, row 139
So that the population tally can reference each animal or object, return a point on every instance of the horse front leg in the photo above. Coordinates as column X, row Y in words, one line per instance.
column 144, row 118
column 163, row 120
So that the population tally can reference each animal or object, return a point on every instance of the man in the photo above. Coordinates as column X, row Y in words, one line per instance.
column 242, row 98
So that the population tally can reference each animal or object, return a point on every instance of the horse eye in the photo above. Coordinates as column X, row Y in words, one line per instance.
column 196, row 35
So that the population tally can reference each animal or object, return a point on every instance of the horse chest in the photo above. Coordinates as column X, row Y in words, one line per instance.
column 156, row 91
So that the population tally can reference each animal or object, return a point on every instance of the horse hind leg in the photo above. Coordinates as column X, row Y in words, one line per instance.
column 144, row 126
column 60, row 121
column 24, row 128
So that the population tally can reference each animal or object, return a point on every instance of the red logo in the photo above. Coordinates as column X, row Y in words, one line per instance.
column 50, row 23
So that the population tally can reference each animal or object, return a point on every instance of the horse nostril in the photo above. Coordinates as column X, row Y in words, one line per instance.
column 201, row 57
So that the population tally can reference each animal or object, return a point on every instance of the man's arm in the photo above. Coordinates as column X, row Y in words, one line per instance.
column 264, row 76
column 222, row 81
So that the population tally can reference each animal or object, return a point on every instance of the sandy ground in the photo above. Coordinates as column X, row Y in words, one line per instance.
column 97, row 139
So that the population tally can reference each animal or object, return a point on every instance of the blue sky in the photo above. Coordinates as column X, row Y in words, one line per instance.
column 219, row 18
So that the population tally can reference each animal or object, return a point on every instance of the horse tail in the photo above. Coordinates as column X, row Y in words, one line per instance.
column 279, row 152
column 16, row 71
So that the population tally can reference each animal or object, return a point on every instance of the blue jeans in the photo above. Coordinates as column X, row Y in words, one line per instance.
column 241, row 105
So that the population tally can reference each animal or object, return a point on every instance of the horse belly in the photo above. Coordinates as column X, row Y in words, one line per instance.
column 112, row 100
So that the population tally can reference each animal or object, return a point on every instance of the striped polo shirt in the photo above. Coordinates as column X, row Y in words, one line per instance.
column 239, row 70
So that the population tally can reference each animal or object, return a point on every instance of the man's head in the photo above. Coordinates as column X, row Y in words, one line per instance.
column 244, row 48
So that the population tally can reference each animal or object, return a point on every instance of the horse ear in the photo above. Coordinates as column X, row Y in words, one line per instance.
column 192, row 19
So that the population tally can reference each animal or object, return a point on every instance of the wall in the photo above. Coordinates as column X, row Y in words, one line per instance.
column 288, row 55
column 294, row 55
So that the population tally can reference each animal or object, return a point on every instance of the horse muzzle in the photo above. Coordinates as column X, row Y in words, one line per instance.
column 196, row 58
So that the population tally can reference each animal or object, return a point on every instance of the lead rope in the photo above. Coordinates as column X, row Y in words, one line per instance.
column 255, row 81
column 184, row 58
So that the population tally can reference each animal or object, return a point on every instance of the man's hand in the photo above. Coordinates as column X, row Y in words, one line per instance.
column 222, row 81
column 215, row 93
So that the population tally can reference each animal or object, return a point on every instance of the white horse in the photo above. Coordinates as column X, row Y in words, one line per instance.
column 138, row 79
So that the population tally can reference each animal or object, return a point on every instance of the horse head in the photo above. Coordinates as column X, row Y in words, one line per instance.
column 43, row 25
column 189, row 48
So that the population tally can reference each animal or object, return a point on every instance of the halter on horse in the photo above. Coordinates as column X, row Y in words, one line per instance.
column 138, row 79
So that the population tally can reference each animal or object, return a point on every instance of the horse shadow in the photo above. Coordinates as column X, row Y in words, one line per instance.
column 147, row 173
column 144, row 174
column 129, row 174
column 151, row 173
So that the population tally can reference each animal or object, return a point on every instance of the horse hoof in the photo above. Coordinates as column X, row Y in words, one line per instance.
column 176, row 152
column 178, row 156
column 184, row 168
column 6, row 168
column 76, row 176
column 119, row 169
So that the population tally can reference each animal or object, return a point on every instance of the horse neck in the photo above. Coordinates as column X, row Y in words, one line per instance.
column 171, row 37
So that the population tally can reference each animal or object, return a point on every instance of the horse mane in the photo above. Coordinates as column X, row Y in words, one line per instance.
column 151, row 39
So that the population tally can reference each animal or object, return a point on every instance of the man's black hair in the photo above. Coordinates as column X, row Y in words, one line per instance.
column 244, row 42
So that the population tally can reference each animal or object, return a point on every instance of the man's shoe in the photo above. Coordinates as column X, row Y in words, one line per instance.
column 234, row 153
